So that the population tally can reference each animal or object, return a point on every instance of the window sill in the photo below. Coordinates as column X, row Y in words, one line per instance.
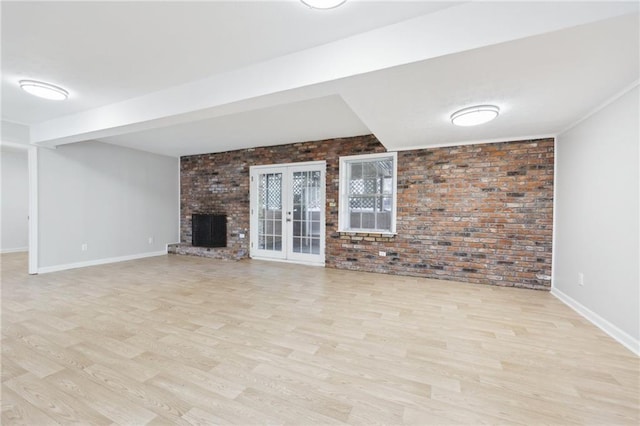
column 365, row 233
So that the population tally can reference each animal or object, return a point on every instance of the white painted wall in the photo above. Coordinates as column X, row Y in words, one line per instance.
column 597, row 214
column 15, row 200
column 14, row 132
column 110, row 198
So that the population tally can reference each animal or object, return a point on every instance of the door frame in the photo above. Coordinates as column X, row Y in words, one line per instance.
column 287, row 227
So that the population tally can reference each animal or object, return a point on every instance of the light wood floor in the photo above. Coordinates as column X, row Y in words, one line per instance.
column 183, row 340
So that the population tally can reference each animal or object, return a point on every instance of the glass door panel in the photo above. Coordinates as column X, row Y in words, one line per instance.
column 307, row 205
column 269, row 211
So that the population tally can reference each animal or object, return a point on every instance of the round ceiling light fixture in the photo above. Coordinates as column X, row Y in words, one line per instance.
column 475, row 115
column 323, row 4
column 44, row 90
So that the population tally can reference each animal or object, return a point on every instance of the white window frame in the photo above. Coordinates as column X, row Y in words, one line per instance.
column 343, row 202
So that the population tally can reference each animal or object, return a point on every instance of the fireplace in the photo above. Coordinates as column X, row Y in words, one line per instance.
column 209, row 230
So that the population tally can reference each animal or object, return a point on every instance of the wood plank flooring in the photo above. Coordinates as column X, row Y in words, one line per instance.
column 193, row 341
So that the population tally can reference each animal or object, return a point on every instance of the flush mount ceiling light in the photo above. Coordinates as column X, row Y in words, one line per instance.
column 44, row 90
column 323, row 4
column 475, row 115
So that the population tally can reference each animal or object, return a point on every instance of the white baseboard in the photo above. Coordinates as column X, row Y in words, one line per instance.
column 57, row 268
column 14, row 250
column 622, row 337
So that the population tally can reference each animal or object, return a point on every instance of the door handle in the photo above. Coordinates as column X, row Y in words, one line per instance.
column 288, row 219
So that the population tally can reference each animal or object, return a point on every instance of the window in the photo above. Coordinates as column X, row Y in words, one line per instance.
column 368, row 193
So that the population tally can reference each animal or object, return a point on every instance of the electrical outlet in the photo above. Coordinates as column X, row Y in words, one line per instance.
column 382, row 253
column 580, row 279
column 241, row 235
column 84, row 247
column 150, row 240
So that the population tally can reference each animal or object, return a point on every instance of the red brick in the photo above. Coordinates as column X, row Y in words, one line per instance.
column 493, row 202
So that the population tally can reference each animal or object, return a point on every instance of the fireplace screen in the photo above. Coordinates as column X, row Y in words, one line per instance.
column 209, row 230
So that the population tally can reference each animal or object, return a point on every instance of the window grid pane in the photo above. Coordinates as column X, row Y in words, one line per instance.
column 370, row 194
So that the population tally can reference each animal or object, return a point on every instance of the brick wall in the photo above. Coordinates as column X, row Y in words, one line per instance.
column 477, row 213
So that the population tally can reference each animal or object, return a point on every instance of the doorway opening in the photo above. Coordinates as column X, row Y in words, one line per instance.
column 27, row 218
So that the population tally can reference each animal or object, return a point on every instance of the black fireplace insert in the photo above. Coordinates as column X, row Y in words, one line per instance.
column 209, row 230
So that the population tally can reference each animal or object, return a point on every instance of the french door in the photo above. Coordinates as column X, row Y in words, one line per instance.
column 288, row 212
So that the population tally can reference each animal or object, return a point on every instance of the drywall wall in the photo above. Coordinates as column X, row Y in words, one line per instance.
column 14, row 132
column 107, row 199
column 597, row 218
column 15, row 200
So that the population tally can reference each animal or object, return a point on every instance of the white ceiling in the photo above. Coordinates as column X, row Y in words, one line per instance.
column 186, row 78
column 542, row 84
column 106, row 52
column 313, row 119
